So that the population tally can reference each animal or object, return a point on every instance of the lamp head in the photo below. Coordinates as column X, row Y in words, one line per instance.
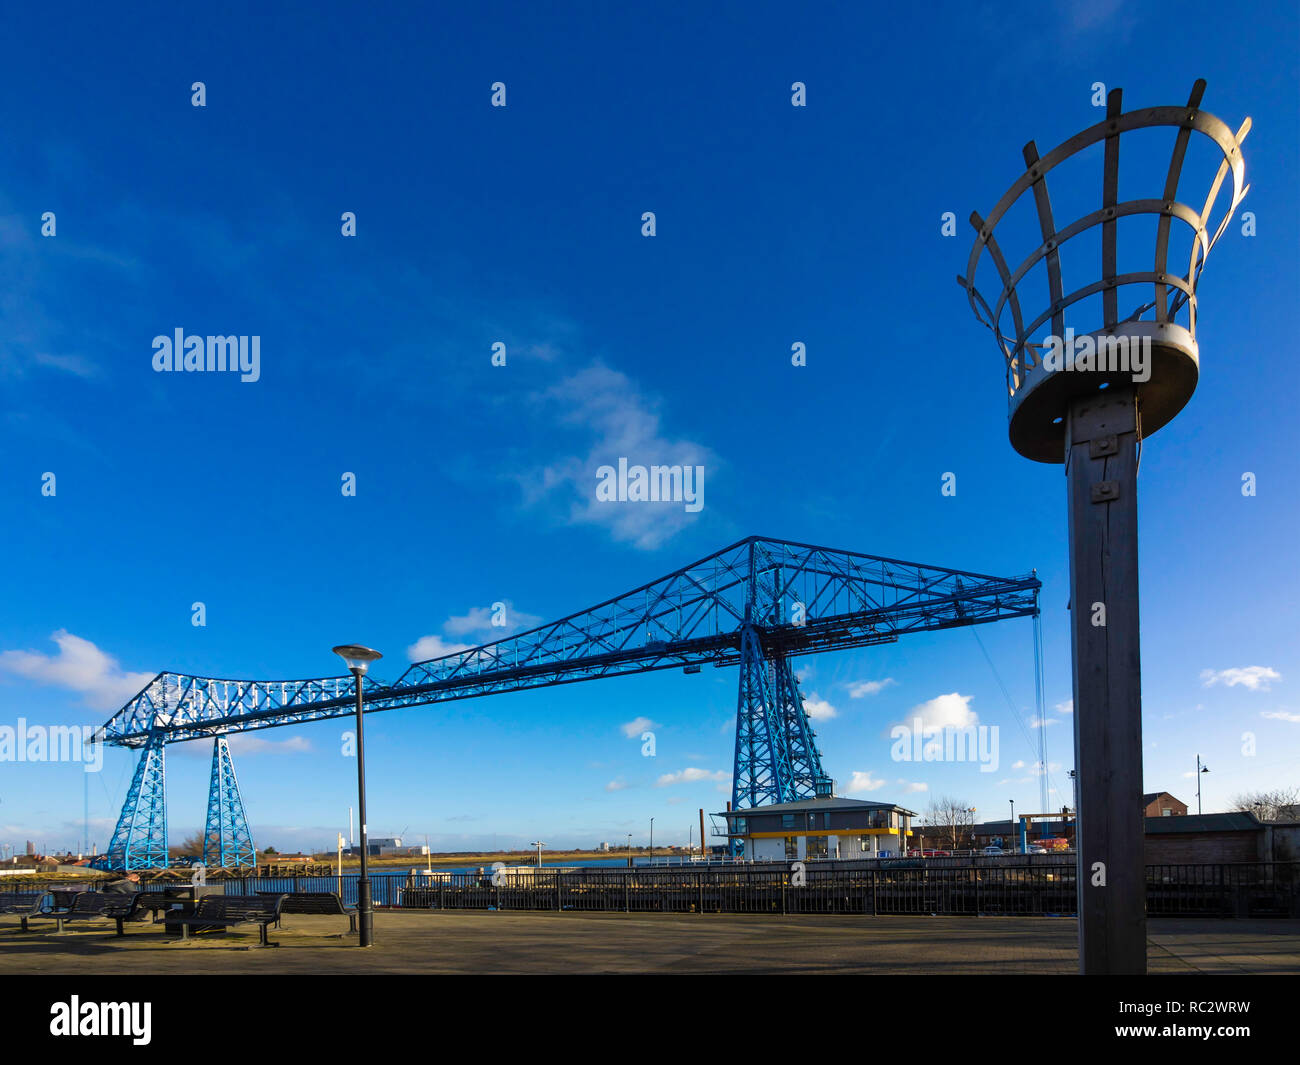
column 357, row 657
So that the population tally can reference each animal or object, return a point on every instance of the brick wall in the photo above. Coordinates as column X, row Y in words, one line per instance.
column 1203, row 847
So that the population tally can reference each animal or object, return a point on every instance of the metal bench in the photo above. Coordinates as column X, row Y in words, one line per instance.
column 98, row 905
column 156, row 902
column 316, row 902
column 63, row 896
column 224, row 911
column 22, row 904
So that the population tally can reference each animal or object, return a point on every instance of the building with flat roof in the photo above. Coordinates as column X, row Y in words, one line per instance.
column 825, row 827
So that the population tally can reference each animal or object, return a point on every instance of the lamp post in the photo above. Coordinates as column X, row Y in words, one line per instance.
column 1089, row 401
column 539, row 845
column 1199, row 770
column 358, row 659
column 652, row 841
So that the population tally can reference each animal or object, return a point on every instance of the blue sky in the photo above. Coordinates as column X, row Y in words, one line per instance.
column 523, row 225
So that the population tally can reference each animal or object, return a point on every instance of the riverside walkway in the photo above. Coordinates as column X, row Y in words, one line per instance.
column 467, row 943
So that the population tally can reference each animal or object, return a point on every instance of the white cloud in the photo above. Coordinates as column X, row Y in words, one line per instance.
column 1066, row 707
column 479, row 620
column 435, row 646
column 861, row 782
column 619, row 422
column 1281, row 715
column 943, row 711
column 81, row 667
column 1034, row 722
column 1019, row 764
column 1256, row 678
column 818, row 709
column 869, row 687
column 616, row 785
column 633, row 729
column 915, row 785
column 691, row 776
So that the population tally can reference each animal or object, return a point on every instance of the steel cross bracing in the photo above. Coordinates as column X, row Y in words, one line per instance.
column 226, row 838
column 140, row 838
column 757, row 603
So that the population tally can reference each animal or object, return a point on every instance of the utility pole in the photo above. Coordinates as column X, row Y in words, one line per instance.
column 1199, row 770
column 1089, row 401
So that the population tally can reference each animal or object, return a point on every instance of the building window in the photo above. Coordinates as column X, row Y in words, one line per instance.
column 787, row 820
column 741, row 825
column 791, row 847
column 1166, row 812
column 816, row 847
column 865, row 843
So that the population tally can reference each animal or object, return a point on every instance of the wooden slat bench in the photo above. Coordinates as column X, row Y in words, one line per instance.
column 227, row 910
column 317, row 902
column 22, row 904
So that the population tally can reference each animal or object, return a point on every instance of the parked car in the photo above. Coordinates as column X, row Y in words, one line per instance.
column 1036, row 850
column 993, row 850
column 937, row 854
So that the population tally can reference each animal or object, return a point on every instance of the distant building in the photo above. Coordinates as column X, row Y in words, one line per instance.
column 603, row 847
column 1007, row 836
column 1206, row 839
column 826, row 827
column 379, row 845
column 1162, row 804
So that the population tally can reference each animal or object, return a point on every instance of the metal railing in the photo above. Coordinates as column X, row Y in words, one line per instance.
column 991, row 887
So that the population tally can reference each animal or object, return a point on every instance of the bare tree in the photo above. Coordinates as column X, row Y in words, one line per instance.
column 949, row 821
column 1280, row 804
column 190, row 845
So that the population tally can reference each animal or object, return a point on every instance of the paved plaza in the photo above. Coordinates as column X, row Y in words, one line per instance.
column 429, row 942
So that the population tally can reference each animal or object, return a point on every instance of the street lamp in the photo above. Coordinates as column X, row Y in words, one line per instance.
column 652, row 841
column 539, row 845
column 358, row 659
column 1015, row 845
column 1199, row 770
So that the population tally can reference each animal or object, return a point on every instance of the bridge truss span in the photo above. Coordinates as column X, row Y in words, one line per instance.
column 757, row 604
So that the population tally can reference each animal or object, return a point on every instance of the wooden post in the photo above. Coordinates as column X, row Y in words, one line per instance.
column 1102, row 433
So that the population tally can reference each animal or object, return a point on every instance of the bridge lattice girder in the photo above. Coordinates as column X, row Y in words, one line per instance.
column 695, row 616
column 757, row 603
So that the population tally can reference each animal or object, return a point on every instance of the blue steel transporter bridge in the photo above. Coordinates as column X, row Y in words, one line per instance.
column 757, row 604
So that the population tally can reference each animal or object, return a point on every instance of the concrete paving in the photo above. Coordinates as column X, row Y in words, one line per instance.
column 462, row 943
